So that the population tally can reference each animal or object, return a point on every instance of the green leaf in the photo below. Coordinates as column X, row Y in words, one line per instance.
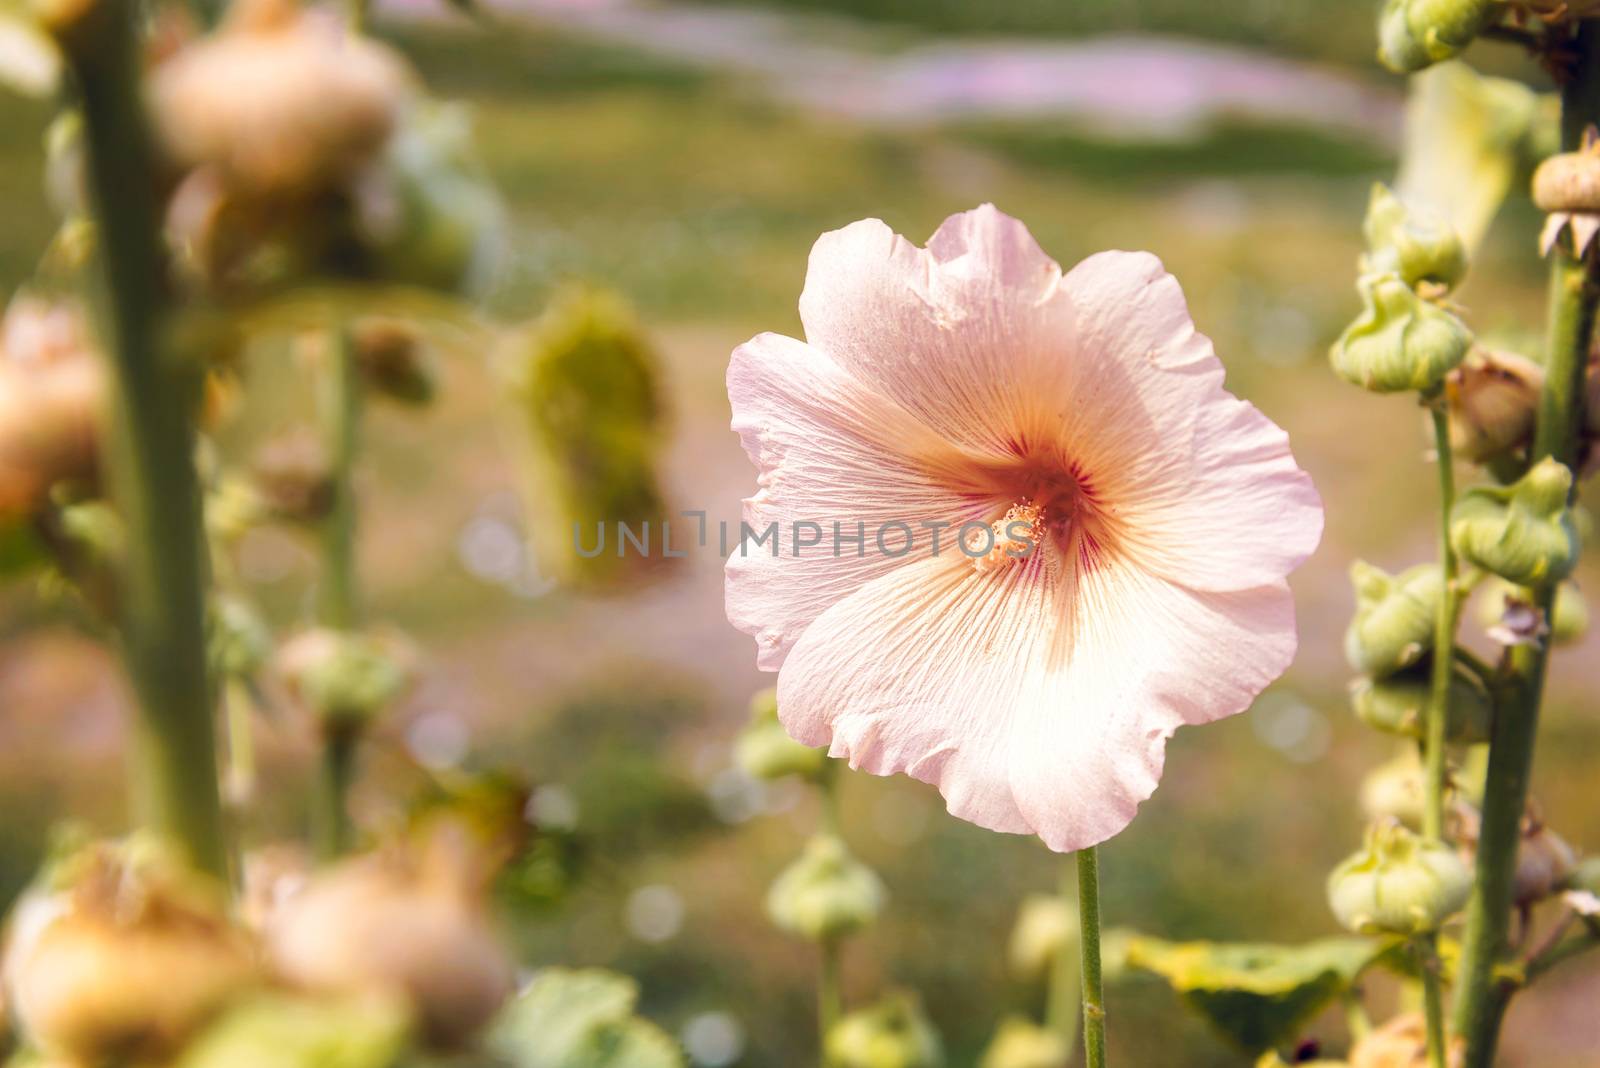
column 580, row 1019
column 1257, row 995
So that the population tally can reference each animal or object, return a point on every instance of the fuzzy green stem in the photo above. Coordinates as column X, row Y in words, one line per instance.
column 1094, row 1002
column 1062, row 996
column 1432, row 1002
column 340, row 606
column 1481, row 1000
column 151, row 456
column 830, row 996
column 331, row 829
column 1444, row 634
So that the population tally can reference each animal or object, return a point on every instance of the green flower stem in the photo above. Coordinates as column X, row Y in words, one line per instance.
column 331, row 815
column 1432, row 1001
column 1062, row 997
column 1444, row 633
column 1094, row 1003
column 1481, row 999
column 153, row 477
column 340, row 602
column 341, row 413
column 828, row 797
column 830, row 995
column 241, row 745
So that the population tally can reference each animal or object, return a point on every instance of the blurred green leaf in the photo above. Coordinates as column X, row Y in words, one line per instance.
column 1257, row 995
column 581, row 1019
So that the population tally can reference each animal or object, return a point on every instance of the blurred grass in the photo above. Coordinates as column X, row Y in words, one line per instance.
column 1324, row 29
column 699, row 200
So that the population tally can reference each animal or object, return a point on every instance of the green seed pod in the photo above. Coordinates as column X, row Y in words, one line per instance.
column 1413, row 34
column 1399, row 341
column 826, row 893
column 344, row 679
column 1418, row 244
column 1394, row 620
column 895, row 1033
column 1046, row 927
column 764, row 749
column 1021, row 1043
column 1399, row 883
column 1523, row 532
column 1399, row 704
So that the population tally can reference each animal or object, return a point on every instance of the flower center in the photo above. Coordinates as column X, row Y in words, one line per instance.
column 1015, row 537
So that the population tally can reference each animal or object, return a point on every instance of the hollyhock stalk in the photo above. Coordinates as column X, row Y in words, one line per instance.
column 1094, row 1003
column 340, row 606
column 153, row 476
column 1482, row 997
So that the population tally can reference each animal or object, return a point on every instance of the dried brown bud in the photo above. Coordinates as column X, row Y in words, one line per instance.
column 407, row 924
column 292, row 476
column 1492, row 399
column 52, row 391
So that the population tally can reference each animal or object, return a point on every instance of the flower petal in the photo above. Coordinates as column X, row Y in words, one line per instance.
column 961, row 334
column 1035, row 700
column 829, row 450
column 1205, row 488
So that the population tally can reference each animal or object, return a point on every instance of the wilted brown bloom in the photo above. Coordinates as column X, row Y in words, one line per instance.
column 52, row 392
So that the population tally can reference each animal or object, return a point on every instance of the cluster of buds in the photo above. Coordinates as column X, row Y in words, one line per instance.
column 826, row 893
column 300, row 149
column 1405, row 337
column 342, row 678
column 895, row 1033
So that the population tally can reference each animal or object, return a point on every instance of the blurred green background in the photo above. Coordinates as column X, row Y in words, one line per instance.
column 696, row 188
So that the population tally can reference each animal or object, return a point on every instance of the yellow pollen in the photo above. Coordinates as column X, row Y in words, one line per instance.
column 1015, row 537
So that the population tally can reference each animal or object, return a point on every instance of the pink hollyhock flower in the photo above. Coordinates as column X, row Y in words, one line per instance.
column 1079, row 414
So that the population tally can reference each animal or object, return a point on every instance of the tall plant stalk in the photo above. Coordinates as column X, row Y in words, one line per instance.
column 1444, row 635
column 1094, row 1002
column 339, row 604
column 1062, row 1001
column 151, row 453
column 1482, row 997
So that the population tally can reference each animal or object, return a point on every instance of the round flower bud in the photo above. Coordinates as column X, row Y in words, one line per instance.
column 895, row 1033
column 1402, row 1043
column 1418, row 244
column 275, row 1030
column 1399, row 341
column 119, row 955
column 826, row 893
column 1021, row 1043
column 1394, row 620
column 1523, row 532
column 1413, row 34
column 279, row 102
column 764, row 749
column 239, row 640
column 394, row 360
column 1492, row 399
column 1399, row 704
column 52, row 395
column 402, row 925
column 1046, row 927
column 344, row 679
column 1398, row 883
column 1395, row 790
